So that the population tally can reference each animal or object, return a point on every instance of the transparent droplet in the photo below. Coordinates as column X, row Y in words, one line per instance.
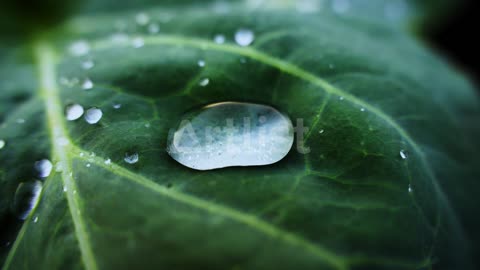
column 340, row 6
column 73, row 112
column 35, row 219
column 231, row 134
column 341, row 98
column 403, row 154
column 117, row 106
column 219, row 39
column 2, row 144
column 87, row 84
column 410, row 189
column 26, row 198
column 43, row 168
column 93, row 115
column 138, row 42
column 153, row 28
column 131, row 158
column 201, row 63
column 88, row 64
column 142, row 18
column 65, row 188
column 244, row 37
column 79, row 48
column 108, row 161
column 204, row 82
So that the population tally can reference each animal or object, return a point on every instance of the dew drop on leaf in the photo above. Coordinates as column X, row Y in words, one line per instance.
column 26, row 198
column 79, row 48
column 108, row 161
column 231, row 134
column 201, row 63
column 204, row 82
column 35, row 219
column 93, row 115
column 219, row 39
column 73, row 112
column 2, row 144
column 403, row 154
column 43, row 168
column 244, row 37
column 87, row 84
column 131, row 158
column 142, row 18
column 153, row 28
column 88, row 64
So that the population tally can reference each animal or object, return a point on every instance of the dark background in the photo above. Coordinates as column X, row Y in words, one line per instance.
column 458, row 38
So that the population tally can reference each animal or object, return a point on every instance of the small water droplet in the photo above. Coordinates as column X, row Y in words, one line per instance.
column 79, row 48
column 35, row 219
column 87, row 84
column 204, row 82
column 88, row 64
column 230, row 134
column 142, row 18
column 26, row 198
column 108, row 161
column 201, row 63
column 93, row 115
column 403, row 154
column 153, row 28
column 65, row 188
column 81, row 154
column 88, row 165
column 362, row 109
column 73, row 112
column 321, row 131
column 117, row 106
column 244, row 37
column 43, row 168
column 20, row 121
column 341, row 98
column 410, row 189
column 131, row 158
column 219, row 39
column 2, row 144
column 138, row 42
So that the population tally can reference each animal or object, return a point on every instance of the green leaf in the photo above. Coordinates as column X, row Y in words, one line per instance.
column 367, row 93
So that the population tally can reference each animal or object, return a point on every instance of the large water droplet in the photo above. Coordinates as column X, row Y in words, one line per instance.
column 26, row 198
column 153, row 28
column 73, row 112
column 87, row 84
column 93, row 115
column 43, row 167
column 231, row 134
column 244, row 37
column 131, row 158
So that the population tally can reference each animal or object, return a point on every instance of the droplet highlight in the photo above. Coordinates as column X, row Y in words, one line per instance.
column 43, row 168
column 244, row 37
column 93, row 115
column 74, row 112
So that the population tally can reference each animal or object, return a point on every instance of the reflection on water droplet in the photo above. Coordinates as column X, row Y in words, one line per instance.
column 117, row 106
column 153, row 28
column 43, row 167
column 403, row 154
column 93, row 115
column 201, row 63
column 131, row 158
column 88, row 165
column 244, row 37
column 79, row 48
column 26, row 198
column 231, row 134
column 204, row 82
column 142, row 18
column 410, row 189
column 35, row 219
column 87, row 84
column 73, row 112
column 362, row 109
column 2, row 144
column 219, row 39
column 138, row 42
column 65, row 189
column 88, row 64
